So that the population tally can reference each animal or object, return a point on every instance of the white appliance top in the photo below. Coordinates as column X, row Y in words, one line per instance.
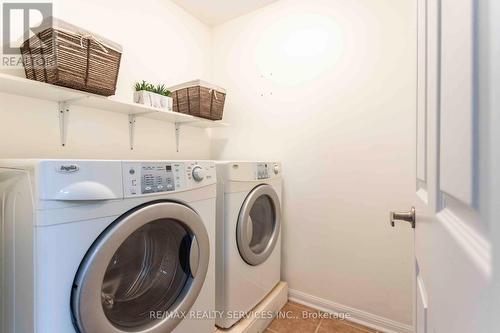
column 248, row 170
column 77, row 180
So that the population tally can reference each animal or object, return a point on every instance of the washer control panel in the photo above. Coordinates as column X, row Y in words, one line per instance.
column 157, row 178
column 142, row 178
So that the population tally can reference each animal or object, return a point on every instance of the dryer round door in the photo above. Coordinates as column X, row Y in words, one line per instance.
column 143, row 272
column 258, row 225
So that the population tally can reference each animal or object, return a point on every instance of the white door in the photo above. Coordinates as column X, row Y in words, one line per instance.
column 488, row 13
column 451, row 248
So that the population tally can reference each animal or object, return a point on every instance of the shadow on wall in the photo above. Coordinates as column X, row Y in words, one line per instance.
column 217, row 145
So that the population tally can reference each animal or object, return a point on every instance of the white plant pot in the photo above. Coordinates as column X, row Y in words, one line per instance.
column 154, row 100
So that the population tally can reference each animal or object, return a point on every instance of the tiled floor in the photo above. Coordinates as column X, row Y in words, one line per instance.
column 302, row 319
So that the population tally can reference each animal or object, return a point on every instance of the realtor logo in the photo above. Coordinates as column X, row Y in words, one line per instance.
column 20, row 22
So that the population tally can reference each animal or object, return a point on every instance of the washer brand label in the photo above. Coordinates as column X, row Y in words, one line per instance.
column 68, row 168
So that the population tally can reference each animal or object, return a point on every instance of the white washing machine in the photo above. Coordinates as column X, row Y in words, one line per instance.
column 248, row 260
column 107, row 246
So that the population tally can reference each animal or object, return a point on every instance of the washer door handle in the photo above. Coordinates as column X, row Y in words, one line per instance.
column 249, row 234
column 194, row 256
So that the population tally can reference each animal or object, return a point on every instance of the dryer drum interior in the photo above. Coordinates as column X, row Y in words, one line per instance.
column 152, row 260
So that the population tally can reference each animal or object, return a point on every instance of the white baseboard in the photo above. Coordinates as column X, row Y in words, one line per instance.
column 358, row 316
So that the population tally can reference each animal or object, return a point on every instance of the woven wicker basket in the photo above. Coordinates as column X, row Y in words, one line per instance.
column 200, row 99
column 65, row 55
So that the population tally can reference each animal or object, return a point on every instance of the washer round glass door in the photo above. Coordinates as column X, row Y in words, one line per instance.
column 258, row 225
column 143, row 273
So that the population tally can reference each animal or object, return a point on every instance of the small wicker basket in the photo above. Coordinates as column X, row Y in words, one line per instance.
column 200, row 99
column 66, row 55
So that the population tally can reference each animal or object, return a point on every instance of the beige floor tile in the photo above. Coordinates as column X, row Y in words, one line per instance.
column 300, row 311
column 341, row 326
column 293, row 326
column 295, row 321
column 302, row 319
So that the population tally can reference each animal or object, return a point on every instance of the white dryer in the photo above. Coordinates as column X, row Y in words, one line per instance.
column 248, row 260
column 107, row 246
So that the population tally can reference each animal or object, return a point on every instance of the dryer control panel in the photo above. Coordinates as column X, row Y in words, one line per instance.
column 245, row 171
column 266, row 170
column 140, row 178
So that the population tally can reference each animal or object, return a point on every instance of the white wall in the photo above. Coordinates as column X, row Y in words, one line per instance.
column 328, row 87
column 161, row 42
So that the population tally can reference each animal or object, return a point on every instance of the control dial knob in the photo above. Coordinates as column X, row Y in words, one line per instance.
column 276, row 169
column 198, row 173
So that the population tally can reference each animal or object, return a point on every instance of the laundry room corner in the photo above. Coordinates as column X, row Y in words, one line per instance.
column 301, row 78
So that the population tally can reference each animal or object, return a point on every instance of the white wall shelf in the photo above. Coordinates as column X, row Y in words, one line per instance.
column 66, row 98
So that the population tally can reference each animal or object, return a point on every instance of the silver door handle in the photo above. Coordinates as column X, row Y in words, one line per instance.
column 404, row 216
column 194, row 256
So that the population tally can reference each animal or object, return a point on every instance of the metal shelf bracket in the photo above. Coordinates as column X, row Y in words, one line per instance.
column 63, row 121
column 177, row 135
column 63, row 111
column 131, row 129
